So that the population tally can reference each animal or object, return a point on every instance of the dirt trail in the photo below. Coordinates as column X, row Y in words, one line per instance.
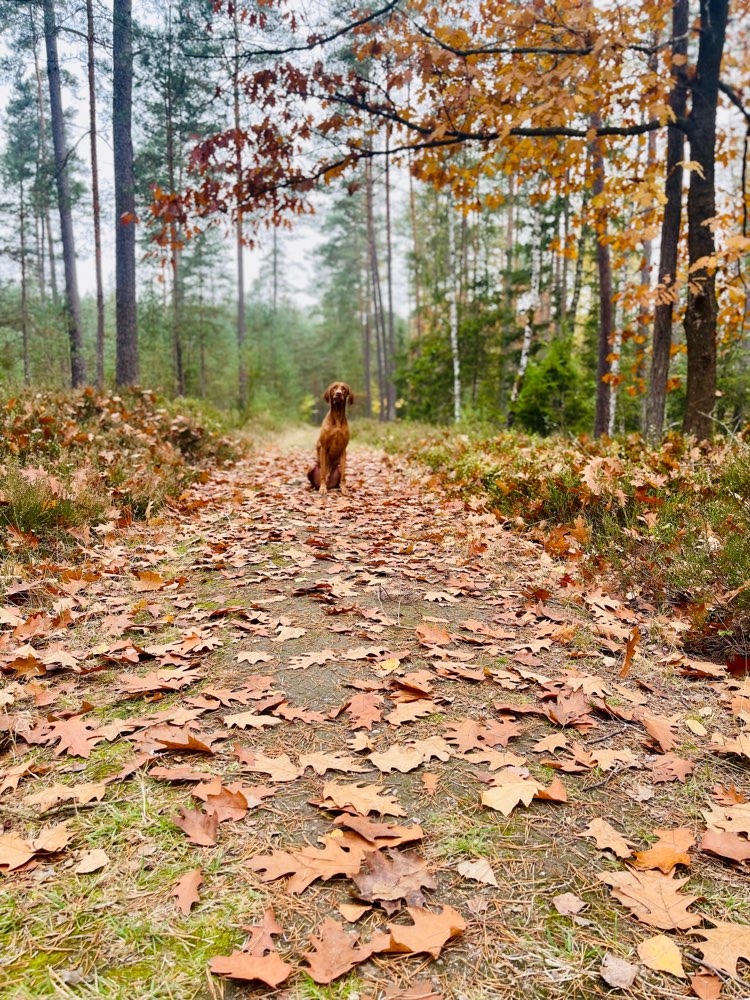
column 432, row 650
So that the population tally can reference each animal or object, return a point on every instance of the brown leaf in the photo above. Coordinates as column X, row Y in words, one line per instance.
column 670, row 850
column 321, row 762
column 364, row 710
column 706, row 986
column 607, row 838
column 201, row 828
column 400, row 875
column 16, row 852
column 508, row 789
column 58, row 793
column 91, row 861
column 429, row 931
column 307, row 864
column 661, row 954
column 186, row 890
column 660, row 729
column 75, row 736
column 147, row 581
column 568, row 904
column 362, row 798
column 280, row 768
column 670, row 767
column 379, row 834
column 617, row 973
column 726, row 845
column 725, row 945
column 269, row 969
column 228, row 802
column 479, row 871
column 654, row 899
column 244, row 719
column 336, row 951
column 432, row 635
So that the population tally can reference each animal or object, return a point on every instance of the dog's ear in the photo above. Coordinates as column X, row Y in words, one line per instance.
column 327, row 395
column 351, row 398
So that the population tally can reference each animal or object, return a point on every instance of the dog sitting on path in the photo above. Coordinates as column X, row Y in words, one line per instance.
column 329, row 471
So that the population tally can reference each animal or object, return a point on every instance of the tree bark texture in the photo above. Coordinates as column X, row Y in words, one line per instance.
column 604, row 270
column 656, row 399
column 96, row 209
column 72, row 301
column 126, row 363
column 701, row 312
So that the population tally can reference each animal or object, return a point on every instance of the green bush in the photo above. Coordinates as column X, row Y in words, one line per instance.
column 554, row 396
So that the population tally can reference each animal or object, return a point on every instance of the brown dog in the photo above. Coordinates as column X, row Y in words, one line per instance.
column 330, row 469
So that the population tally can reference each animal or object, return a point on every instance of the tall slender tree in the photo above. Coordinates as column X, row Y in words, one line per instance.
column 62, row 172
column 126, row 364
column 95, row 203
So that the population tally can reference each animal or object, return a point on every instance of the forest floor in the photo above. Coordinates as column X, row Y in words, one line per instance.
column 449, row 768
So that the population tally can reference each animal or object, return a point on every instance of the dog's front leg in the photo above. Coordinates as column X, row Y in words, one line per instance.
column 342, row 468
column 323, row 463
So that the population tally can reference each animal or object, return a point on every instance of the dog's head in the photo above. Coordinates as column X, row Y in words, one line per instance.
column 337, row 395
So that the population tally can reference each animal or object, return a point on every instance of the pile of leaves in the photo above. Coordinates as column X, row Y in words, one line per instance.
column 72, row 460
column 671, row 521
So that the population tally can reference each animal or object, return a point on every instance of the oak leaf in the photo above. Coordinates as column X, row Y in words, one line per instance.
column 362, row 798
column 617, row 972
column 364, row 710
column 336, row 951
column 479, row 871
column 269, row 969
column 321, row 762
column 607, row 838
column 379, row 834
column 280, row 768
column 75, row 736
column 726, row 845
column 186, row 890
column 244, row 719
column 200, row 827
column 428, row 933
column 400, row 875
column 725, row 945
column 653, row 898
column 509, row 788
column 670, row 767
column 307, row 864
column 670, row 850
column 58, row 793
column 91, row 861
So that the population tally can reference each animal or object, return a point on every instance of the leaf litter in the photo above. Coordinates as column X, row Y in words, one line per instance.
column 413, row 633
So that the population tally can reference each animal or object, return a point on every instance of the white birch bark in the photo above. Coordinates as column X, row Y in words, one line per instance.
column 453, row 312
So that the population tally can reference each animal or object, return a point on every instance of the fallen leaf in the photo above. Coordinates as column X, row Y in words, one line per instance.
column 200, row 827
column 706, row 986
column 617, row 973
column 362, row 798
column 670, row 850
column 508, row 790
column 725, row 945
column 429, row 931
column 479, row 871
column 607, row 838
column 269, row 969
column 568, row 904
column 399, row 875
column 91, row 861
column 186, row 890
column 661, row 954
column 335, row 951
column 653, row 898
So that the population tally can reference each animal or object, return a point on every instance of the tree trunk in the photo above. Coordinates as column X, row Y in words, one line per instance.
column 700, row 316
column 73, row 305
column 416, row 252
column 242, row 380
column 24, row 287
column 509, row 245
column 391, row 343
column 174, row 234
column 615, row 363
column 656, row 400
column 126, row 364
column 530, row 307
column 452, row 280
column 604, row 269
column 377, row 296
column 42, row 162
column 95, row 197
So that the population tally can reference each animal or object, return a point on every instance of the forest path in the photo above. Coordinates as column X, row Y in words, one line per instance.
column 392, row 653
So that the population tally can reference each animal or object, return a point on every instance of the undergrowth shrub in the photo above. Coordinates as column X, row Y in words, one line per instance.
column 75, row 459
